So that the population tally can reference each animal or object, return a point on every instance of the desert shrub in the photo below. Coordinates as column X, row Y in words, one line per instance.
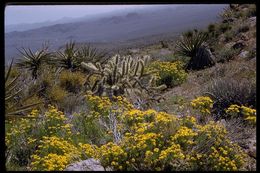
column 204, row 106
column 72, row 81
column 223, row 27
column 73, row 103
column 56, row 94
column 170, row 74
column 226, row 54
column 247, row 113
column 187, row 146
column 242, row 28
column 226, row 92
column 25, row 137
column 142, row 140
column 54, row 153
column 229, row 35
column 88, row 129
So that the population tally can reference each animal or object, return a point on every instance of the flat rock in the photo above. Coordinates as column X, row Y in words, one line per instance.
column 86, row 165
column 243, row 54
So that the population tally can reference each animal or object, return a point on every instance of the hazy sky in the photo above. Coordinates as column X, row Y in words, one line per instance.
column 15, row 14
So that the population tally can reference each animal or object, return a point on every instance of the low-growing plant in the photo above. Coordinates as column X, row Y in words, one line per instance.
column 72, row 81
column 204, row 106
column 226, row 92
column 226, row 54
column 56, row 94
column 223, row 27
column 26, row 136
column 229, row 35
column 170, row 74
column 247, row 113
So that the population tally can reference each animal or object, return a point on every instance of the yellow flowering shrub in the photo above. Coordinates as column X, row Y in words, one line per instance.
column 25, row 134
column 169, row 73
column 203, row 104
column 249, row 114
column 148, row 144
column 54, row 153
column 149, row 140
column 89, row 150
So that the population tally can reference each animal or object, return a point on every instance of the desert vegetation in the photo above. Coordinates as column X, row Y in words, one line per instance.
column 193, row 109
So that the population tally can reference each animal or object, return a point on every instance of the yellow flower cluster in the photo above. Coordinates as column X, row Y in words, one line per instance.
column 203, row 104
column 54, row 153
column 89, row 150
column 171, row 153
column 56, row 122
column 224, row 159
column 19, row 128
column 112, row 155
column 51, row 162
column 102, row 103
column 248, row 113
column 173, row 70
column 184, row 136
column 34, row 113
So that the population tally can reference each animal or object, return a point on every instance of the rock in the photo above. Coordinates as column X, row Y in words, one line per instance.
column 132, row 51
column 87, row 165
column 239, row 45
column 243, row 54
column 252, row 148
column 252, row 21
column 223, row 122
column 165, row 52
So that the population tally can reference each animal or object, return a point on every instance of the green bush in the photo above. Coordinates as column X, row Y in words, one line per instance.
column 226, row 54
column 226, row 92
column 72, row 81
column 223, row 27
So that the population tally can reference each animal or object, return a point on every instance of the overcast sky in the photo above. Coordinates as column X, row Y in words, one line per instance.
column 15, row 14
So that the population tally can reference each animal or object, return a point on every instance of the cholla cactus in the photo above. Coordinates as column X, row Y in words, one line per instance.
column 119, row 75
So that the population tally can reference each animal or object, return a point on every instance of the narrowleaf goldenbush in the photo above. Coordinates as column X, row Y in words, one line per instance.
column 169, row 73
column 247, row 113
column 204, row 106
column 149, row 140
column 158, row 141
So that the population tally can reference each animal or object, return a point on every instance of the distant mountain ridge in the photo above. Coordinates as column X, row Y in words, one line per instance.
column 115, row 28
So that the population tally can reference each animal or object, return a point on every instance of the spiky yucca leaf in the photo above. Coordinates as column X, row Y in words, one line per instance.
column 12, row 106
column 87, row 53
column 33, row 60
column 190, row 43
column 66, row 58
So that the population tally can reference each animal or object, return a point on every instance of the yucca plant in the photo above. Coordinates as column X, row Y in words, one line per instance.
column 191, row 44
column 14, row 106
column 66, row 58
column 86, row 53
column 33, row 60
